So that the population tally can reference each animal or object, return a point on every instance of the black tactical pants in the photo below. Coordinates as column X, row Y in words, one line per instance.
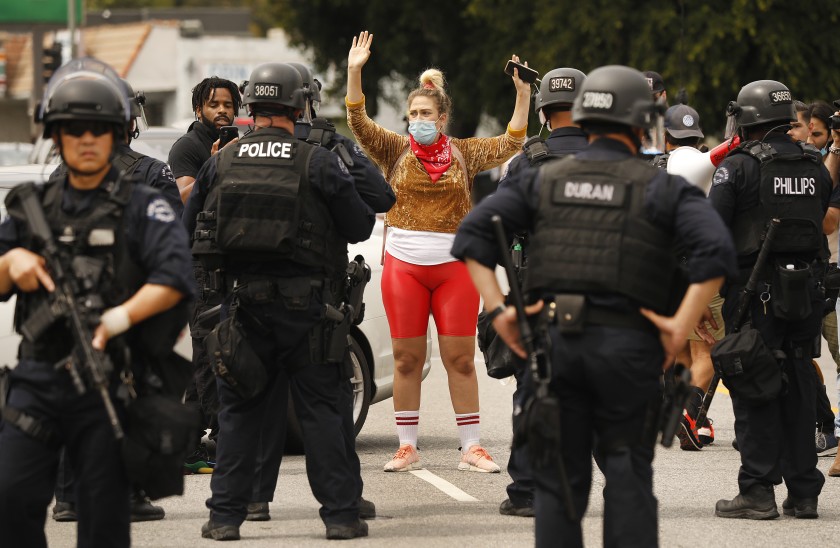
column 321, row 396
column 271, row 446
column 776, row 438
column 521, row 490
column 28, row 466
column 606, row 379
column 201, row 391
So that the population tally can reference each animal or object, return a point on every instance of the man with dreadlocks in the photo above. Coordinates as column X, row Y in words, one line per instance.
column 215, row 103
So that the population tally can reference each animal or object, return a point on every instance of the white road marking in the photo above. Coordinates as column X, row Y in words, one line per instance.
column 444, row 486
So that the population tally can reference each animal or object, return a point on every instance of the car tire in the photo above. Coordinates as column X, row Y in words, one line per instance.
column 362, row 384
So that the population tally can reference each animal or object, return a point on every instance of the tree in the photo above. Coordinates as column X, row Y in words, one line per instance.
column 710, row 48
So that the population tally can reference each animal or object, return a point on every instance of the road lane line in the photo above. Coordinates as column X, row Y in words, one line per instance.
column 444, row 486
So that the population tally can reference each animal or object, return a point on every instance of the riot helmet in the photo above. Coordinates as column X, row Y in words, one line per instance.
column 761, row 102
column 274, row 85
column 558, row 87
column 85, row 89
column 313, row 91
column 138, row 114
column 615, row 94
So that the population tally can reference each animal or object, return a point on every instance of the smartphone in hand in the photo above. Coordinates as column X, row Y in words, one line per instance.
column 227, row 134
column 526, row 74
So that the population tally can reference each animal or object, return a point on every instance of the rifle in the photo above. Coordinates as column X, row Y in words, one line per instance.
column 673, row 403
column 542, row 406
column 65, row 302
column 741, row 311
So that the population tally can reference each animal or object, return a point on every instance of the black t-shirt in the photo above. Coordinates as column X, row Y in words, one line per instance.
column 191, row 150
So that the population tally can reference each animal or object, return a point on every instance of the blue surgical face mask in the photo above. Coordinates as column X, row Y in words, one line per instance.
column 423, row 131
column 824, row 150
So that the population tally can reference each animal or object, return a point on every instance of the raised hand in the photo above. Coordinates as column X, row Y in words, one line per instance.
column 521, row 86
column 359, row 50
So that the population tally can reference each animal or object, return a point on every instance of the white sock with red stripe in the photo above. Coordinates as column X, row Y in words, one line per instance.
column 469, row 429
column 407, row 426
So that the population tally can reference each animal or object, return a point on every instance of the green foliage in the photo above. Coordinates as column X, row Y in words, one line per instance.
column 711, row 47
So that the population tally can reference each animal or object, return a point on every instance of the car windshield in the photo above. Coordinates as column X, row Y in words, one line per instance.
column 14, row 154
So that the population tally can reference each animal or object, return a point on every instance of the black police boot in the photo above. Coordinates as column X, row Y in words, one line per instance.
column 258, row 511
column 800, row 508
column 508, row 508
column 367, row 509
column 346, row 531
column 758, row 502
column 217, row 531
column 64, row 511
column 143, row 510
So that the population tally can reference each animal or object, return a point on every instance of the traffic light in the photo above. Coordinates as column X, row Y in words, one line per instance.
column 51, row 61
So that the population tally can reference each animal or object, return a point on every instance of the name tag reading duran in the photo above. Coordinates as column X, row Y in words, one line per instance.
column 609, row 194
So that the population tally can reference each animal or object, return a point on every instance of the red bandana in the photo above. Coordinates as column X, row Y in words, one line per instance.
column 436, row 157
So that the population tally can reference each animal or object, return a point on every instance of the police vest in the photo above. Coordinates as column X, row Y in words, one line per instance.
column 262, row 209
column 789, row 190
column 591, row 234
column 93, row 248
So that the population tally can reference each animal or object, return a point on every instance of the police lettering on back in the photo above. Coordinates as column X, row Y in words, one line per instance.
column 265, row 150
column 576, row 192
column 793, row 186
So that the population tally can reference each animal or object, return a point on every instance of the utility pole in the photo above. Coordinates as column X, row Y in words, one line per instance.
column 71, row 26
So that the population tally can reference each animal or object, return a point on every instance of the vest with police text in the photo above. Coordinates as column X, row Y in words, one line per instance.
column 789, row 190
column 591, row 234
column 93, row 249
column 262, row 208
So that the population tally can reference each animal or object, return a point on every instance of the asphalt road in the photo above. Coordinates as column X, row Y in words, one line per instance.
column 413, row 511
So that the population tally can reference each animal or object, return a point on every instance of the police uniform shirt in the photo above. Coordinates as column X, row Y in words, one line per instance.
column 370, row 184
column 158, row 175
column 353, row 218
column 681, row 209
column 192, row 150
column 562, row 141
column 155, row 238
column 735, row 186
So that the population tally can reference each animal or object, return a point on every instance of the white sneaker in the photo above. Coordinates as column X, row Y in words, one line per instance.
column 477, row 459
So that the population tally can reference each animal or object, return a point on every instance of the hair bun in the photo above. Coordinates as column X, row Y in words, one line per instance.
column 432, row 78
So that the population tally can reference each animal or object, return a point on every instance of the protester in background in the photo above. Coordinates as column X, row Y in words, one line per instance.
column 431, row 174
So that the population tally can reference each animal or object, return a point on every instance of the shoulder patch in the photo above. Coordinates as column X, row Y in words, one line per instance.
column 341, row 165
column 166, row 173
column 160, row 210
column 721, row 176
column 357, row 150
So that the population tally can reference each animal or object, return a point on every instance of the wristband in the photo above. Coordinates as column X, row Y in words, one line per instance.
column 115, row 321
column 495, row 312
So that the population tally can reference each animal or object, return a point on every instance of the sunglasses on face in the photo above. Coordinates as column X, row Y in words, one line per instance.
column 77, row 128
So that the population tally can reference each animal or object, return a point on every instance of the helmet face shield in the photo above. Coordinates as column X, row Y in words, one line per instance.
column 86, row 68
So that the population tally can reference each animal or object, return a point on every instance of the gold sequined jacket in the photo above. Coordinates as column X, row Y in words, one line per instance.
column 422, row 204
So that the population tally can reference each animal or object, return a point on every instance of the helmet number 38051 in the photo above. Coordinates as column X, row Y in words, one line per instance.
column 266, row 90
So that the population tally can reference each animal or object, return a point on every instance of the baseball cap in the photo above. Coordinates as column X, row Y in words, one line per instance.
column 682, row 121
column 655, row 81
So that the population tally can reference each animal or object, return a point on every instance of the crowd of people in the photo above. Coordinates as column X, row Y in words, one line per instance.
column 637, row 248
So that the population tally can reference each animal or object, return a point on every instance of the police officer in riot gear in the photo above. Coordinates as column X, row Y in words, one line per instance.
column 376, row 193
column 770, row 176
column 271, row 217
column 152, row 172
column 129, row 256
column 602, row 223
column 553, row 103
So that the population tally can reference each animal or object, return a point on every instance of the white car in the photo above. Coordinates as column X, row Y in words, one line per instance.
column 370, row 353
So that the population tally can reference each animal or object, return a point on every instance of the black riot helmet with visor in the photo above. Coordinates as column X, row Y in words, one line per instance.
column 313, row 92
column 760, row 103
column 558, row 90
column 615, row 95
column 85, row 89
column 136, row 101
column 274, row 89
